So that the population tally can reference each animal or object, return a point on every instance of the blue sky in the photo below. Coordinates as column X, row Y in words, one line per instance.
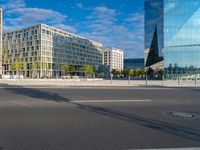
column 115, row 23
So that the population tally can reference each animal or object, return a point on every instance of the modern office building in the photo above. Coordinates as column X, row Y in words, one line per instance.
column 133, row 63
column 178, row 34
column 1, row 26
column 154, row 33
column 114, row 58
column 48, row 47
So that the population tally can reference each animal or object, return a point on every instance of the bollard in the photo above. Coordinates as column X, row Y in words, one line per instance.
column 146, row 80
column 111, row 78
column 178, row 79
column 17, row 81
column 195, row 80
column 56, row 79
column 38, row 78
column 75, row 79
column 93, row 78
column 162, row 80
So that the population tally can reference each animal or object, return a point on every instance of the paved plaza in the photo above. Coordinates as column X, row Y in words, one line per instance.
column 99, row 82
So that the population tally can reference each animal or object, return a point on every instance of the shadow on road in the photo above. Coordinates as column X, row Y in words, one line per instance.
column 34, row 93
column 176, row 130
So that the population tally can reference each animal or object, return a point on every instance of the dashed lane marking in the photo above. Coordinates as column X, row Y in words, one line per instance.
column 20, row 103
column 110, row 101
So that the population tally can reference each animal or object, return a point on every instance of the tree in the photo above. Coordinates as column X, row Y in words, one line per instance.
column 159, row 73
column 100, row 70
column 140, row 72
column 17, row 66
column 88, row 70
column 132, row 72
column 115, row 72
column 94, row 69
column 71, row 69
column 12, row 67
column 64, row 69
column 67, row 69
column 125, row 72
column 33, row 67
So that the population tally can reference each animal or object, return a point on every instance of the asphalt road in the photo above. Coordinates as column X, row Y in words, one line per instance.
column 98, row 118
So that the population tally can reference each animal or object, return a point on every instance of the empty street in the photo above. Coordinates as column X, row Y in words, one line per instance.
column 98, row 118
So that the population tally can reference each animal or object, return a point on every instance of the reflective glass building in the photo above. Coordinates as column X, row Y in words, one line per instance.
column 178, row 23
column 133, row 63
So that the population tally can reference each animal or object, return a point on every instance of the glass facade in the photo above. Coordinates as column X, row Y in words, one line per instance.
column 154, row 21
column 179, row 23
column 134, row 63
column 182, row 38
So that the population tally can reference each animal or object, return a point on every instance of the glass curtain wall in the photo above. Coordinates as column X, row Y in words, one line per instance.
column 182, row 39
column 154, row 20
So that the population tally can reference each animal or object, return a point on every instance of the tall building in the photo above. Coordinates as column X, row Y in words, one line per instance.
column 114, row 58
column 178, row 27
column 133, row 63
column 154, row 23
column 48, row 47
column 1, row 26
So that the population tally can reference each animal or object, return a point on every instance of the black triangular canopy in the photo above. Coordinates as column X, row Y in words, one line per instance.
column 153, row 56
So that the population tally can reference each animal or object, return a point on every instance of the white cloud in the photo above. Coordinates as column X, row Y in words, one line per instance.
column 102, row 24
column 102, row 14
column 11, row 28
column 135, row 17
column 79, row 5
column 36, row 15
column 102, row 10
column 65, row 27
column 14, row 4
column 170, row 6
column 104, row 27
column 19, row 15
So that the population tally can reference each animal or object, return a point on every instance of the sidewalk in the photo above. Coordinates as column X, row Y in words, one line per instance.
column 96, row 83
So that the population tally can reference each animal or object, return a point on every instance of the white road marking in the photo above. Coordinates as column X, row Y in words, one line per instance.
column 20, row 103
column 87, row 87
column 192, row 148
column 109, row 101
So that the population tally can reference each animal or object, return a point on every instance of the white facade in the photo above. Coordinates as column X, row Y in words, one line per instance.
column 50, row 47
column 1, row 26
column 114, row 58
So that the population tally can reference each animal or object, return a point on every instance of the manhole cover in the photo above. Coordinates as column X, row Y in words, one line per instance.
column 186, row 115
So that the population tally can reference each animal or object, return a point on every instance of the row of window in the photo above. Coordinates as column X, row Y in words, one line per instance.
column 63, row 37
column 22, row 35
column 27, row 49
column 26, row 59
column 21, row 45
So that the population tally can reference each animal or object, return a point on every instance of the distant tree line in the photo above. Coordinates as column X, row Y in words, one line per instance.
column 88, row 70
column 136, row 73
column 127, row 73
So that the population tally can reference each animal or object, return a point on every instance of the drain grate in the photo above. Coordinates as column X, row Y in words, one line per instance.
column 185, row 115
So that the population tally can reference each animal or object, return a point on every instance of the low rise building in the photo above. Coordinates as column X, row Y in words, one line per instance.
column 114, row 58
column 49, row 47
column 133, row 63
